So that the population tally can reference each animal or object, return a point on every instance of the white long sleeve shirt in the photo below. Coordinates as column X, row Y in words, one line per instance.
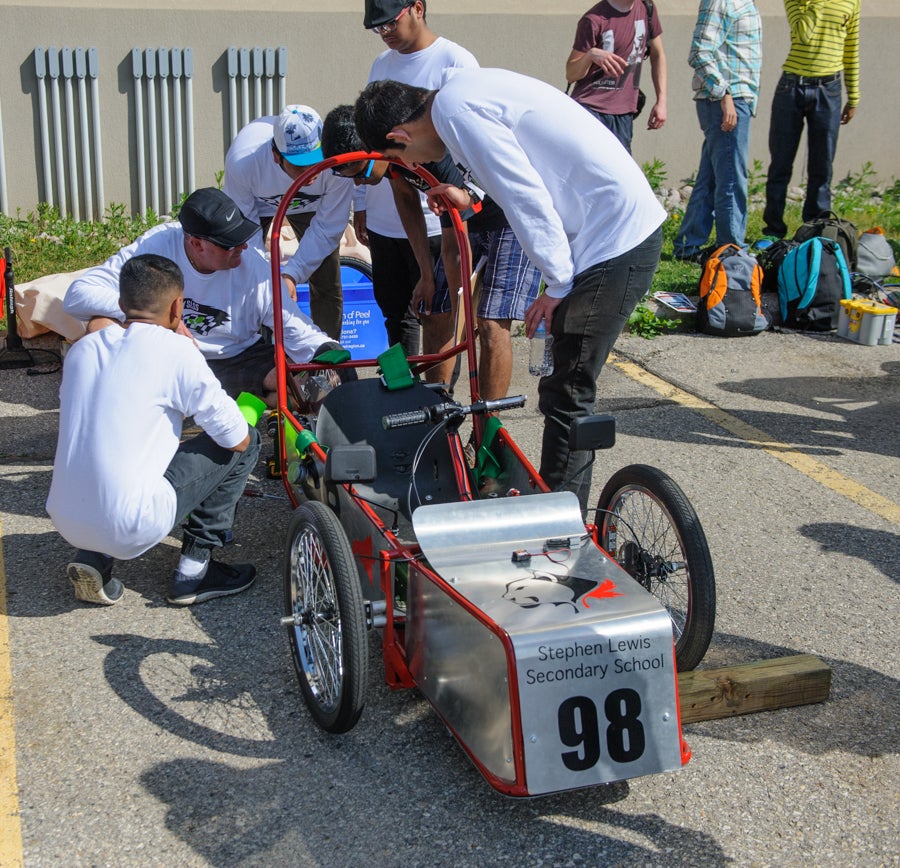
column 423, row 68
column 123, row 397
column 257, row 184
column 572, row 194
column 223, row 310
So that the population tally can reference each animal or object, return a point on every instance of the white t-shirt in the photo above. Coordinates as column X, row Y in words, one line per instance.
column 223, row 310
column 257, row 184
column 423, row 68
column 123, row 397
column 572, row 194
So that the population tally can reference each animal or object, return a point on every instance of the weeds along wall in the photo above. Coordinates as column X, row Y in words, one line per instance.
column 107, row 101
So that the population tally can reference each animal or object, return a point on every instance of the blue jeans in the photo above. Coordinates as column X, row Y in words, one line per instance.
column 585, row 326
column 817, row 103
column 208, row 481
column 720, row 192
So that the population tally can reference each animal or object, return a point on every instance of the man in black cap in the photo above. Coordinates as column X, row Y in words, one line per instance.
column 227, row 293
column 403, row 263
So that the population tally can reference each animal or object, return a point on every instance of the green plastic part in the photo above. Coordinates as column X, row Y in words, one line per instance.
column 487, row 465
column 333, row 357
column 395, row 371
column 251, row 407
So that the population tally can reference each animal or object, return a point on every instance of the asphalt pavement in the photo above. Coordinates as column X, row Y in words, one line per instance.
column 149, row 735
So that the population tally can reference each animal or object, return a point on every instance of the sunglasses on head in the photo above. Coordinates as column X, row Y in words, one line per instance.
column 359, row 176
column 390, row 26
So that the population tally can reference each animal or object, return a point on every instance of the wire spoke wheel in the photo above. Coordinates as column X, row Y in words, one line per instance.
column 328, row 633
column 648, row 525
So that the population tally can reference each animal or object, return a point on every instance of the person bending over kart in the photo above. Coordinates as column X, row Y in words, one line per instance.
column 510, row 282
column 121, row 481
column 227, row 294
column 577, row 202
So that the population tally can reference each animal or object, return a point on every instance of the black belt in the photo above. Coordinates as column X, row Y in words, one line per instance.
column 806, row 79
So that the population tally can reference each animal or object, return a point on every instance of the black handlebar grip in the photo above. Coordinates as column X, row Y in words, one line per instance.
column 403, row 420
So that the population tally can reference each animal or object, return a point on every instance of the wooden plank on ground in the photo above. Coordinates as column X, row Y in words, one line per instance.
column 709, row 694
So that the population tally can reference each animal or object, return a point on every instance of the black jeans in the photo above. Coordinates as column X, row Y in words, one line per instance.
column 818, row 105
column 395, row 274
column 585, row 326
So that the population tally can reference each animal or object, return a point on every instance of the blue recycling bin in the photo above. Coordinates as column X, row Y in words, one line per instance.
column 362, row 329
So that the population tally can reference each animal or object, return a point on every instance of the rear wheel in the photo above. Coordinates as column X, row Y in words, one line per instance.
column 328, row 632
column 648, row 525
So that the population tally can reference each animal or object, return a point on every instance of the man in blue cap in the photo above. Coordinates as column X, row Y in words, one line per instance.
column 265, row 157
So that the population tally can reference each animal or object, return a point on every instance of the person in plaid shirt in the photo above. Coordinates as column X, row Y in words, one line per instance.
column 726, row 54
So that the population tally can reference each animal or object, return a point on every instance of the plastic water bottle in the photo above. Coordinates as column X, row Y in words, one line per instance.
column 540, row 359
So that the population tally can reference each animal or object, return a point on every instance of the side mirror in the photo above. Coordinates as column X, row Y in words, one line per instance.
column 589, row 433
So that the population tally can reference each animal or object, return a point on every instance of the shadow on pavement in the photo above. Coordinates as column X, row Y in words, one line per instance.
column 877, row 547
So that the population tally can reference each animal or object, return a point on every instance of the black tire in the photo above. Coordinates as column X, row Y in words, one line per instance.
column 328, row 636
column 359, row 264
column 648, row 525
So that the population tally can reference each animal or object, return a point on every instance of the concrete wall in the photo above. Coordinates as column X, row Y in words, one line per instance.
column 330, row 55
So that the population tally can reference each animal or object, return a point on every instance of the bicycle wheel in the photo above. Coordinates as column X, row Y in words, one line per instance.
column 328, row 633
column 648, row 525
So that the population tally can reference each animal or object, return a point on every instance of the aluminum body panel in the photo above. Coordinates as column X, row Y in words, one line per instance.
column 594, row 661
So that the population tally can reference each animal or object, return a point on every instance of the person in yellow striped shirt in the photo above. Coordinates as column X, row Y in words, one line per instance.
column 824, row 50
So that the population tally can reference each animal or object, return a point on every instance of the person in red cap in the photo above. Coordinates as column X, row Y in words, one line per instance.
column 227, row 293
column 264, row 158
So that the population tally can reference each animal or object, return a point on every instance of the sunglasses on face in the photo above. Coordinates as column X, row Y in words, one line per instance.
column 390, row 26
column 359, row 176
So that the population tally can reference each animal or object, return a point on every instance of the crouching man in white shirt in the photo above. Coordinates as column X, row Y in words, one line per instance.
column 121, row 481
column 228, row 294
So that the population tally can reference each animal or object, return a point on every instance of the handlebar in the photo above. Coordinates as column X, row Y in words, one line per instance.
column 449, row 409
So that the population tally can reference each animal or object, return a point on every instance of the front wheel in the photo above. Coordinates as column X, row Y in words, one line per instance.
column 648, row 525
column 327, row 632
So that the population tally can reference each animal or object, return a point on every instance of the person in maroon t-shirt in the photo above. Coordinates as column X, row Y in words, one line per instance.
column 611, row 41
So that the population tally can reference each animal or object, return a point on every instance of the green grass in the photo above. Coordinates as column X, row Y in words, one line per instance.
column 42, row 242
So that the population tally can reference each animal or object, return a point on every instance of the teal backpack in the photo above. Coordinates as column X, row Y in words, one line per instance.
column 812, row 279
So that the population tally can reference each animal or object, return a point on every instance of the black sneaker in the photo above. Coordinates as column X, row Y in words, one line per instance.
column 219, row 580
column 94, row 584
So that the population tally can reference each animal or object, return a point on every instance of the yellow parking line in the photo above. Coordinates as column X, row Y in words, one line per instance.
column 816, row 470
column 10, row 827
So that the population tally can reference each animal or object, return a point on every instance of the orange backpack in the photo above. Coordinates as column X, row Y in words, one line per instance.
column 730, row 304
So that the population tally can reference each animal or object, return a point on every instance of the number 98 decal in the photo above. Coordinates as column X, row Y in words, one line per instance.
column 579, row 728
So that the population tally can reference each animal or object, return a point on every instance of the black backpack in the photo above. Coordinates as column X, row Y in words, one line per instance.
column 829, row 225
column 770, row 259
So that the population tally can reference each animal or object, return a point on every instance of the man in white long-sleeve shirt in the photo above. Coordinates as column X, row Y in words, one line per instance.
column 121, row 479
column 578, row 203
column 264, row 159
column 403, row 261
column 227, row 293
